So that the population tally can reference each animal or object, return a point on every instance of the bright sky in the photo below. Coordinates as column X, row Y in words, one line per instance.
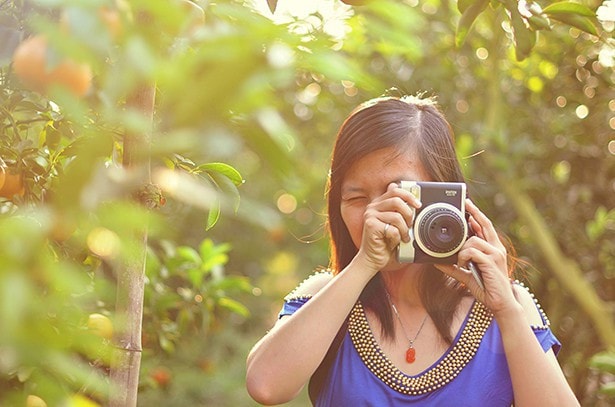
column 334, row 13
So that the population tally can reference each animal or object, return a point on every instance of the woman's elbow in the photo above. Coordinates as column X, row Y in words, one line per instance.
column 265, row 392
column 260, row 393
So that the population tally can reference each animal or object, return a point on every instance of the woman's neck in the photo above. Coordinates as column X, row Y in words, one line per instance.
column 403, row 285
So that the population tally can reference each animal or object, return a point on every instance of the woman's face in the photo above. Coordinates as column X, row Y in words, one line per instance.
column 368, row 179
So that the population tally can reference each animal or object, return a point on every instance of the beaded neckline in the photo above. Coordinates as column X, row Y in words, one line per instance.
column 445, row 370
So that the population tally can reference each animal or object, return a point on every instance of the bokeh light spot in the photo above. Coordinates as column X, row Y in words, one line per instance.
column 287, row 203
column 582, row 111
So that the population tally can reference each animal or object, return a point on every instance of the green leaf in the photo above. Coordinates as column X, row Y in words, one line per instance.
column 224, row 169
column 167, row 345
column 566, row 7
column 597, row 226
column 539, row 23
column 188, row 254
column 582, row 23
column 467, row 19
column 212, row 254
column 207, row 248
column 234, row 283
column 195, row 276
column 214, row 215
column 226, row 179
column 228, row 188
column 220, row 174
column 463, row 5
column 152, row 263
column 50, row 136
column 336, row 66
column 525, row 39
column 604, row 361
column 608, row 389
column 234, row 306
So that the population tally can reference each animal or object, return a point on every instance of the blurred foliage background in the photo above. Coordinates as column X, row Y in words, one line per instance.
column 247, row 106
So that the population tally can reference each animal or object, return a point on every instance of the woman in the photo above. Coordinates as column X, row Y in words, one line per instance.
column 386, row 333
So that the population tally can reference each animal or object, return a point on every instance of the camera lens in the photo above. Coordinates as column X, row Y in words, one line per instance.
column 441, row 230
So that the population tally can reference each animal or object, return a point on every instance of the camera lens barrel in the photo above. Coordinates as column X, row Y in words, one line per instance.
column 440, row 230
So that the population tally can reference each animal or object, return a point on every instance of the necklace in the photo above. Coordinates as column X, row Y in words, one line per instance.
column 411, row 351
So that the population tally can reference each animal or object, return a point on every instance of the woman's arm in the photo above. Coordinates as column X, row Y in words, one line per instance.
column 536, row 376
column 281, row 363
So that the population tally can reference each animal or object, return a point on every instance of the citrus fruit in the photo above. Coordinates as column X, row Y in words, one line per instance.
column 32, row 66
column 2, row 176
column 77, row 400
column 35, row 401
column 161, row 375
column 13, row 183
column 101, row 325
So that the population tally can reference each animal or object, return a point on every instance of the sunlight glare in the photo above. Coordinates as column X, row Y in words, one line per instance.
column 334, row 14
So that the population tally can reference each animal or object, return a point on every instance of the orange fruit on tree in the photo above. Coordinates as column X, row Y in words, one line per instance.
column 101, row 325
column 29, row 60
column 112, row 20
column 2, row 176
column 13, row 183
column 72, row 75
column 78, row 400
column 32, row 66
column 161, row 375
column 35, row 401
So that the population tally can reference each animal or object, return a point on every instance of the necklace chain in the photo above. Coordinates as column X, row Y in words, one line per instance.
column 410, row 359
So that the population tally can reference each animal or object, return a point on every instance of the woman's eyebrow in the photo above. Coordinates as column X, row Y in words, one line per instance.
column 350, row 189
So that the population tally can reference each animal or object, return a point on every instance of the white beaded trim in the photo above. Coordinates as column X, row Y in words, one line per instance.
column 293, row 294
column 543, row 315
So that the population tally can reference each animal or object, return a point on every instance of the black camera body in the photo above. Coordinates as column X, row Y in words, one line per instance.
column 440, row 226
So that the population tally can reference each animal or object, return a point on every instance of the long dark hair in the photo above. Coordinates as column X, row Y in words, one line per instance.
column 407, row 122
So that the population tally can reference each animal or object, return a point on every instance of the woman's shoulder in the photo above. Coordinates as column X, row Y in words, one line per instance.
column 533, row 311
column 311, row 285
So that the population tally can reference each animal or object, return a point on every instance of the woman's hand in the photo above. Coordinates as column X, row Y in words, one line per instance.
column 486, row 251
column 386, row 223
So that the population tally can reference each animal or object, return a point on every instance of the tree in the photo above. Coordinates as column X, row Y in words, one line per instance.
column 55, row 141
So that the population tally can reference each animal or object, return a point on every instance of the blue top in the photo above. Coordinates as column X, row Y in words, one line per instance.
column 362, row 375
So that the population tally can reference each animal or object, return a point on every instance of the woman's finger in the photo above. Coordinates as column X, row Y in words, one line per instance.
column 485, row 229
column 465, row 277
column 409, row 198
column 397, row 225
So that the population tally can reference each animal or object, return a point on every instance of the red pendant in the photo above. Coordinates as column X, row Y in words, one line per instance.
column 410, row 355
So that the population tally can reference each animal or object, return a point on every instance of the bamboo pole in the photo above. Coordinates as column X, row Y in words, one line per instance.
column 126, row 361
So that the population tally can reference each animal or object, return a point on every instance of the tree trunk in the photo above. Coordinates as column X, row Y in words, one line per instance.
column 126, row 360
